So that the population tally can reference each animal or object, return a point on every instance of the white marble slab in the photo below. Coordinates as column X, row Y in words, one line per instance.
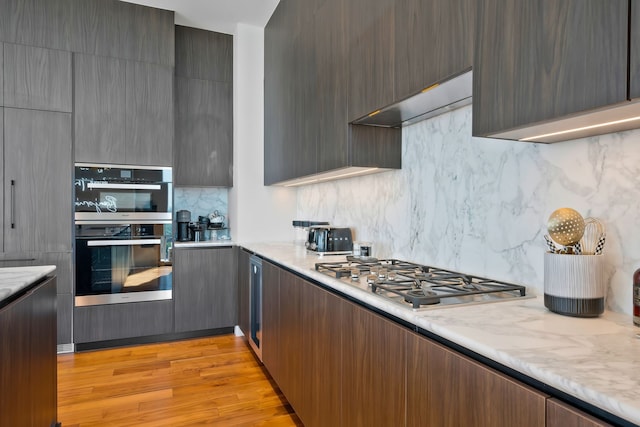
column 14, row 279
column 595, row 360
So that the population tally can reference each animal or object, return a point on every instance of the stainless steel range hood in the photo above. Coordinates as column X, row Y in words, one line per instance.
column 434, row 100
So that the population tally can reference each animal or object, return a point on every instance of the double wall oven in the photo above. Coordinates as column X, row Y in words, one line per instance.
column 123, row 234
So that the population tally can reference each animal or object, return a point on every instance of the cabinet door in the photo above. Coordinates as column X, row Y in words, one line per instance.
column 99, row 113
column 445, row 388
column 323, row 327
column 38, row 177
column 2, row 179
column 28, row 354
column 433, row 41
column 149, row 114
column 244, row 296
column 373, row 372
column 634, row 50
column 204, row 290
column 204, row 133
column 331, row 75
column 560, row 414
column 118, row 321
column 204, row 55
column 271, row 320
column 37, row 78
column 538, row 60
column 371, row 58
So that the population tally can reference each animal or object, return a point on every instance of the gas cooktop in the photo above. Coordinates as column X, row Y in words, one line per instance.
column 419, row 286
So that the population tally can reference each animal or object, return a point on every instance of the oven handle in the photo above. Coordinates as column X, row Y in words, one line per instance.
column 117, row 242
column 124, row 186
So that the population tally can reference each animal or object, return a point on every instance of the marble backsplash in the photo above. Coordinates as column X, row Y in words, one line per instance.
column 481, row 205
column 202, row 201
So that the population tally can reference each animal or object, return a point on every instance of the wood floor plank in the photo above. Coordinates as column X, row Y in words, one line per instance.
column 207, row 381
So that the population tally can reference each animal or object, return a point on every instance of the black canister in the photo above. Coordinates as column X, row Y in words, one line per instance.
column 183, row 218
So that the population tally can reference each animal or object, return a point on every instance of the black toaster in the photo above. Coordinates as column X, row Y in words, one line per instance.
column 330, row 239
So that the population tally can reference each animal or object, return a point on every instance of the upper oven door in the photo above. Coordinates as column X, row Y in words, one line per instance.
column 110, row 192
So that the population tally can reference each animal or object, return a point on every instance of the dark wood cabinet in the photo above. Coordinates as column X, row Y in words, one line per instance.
column 541, row 60
column 99, row 113
column 118, row 321
column 433, row 41
column 149, row 114
column 204, row 290
column 269, row 344
column 203, row 108
column 373, row 371
column 371, row 59
column 37, row 78
column 37, row 195
column 446, row 388
column 560, row 414
column 28, row 376
column 244, row 291
column 634, row 50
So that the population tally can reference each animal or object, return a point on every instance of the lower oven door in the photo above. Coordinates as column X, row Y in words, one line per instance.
column 120, row 270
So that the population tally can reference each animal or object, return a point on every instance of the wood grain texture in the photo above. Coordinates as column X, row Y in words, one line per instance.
column 99, row 113
column 64, row 310
column 271, row 319
column 448, row 389
column 374, row 371
column 204, row 289
column 37, row 78
column 35, row 140
column 149, row 125
column 5, row 185
column 115, row 321
column 375, row 147
column 213, row 381
column 538, row 60
column 28, row 353
column 204, row 55
column 560, row 414
column 204, row 133
column 371, row 55
column 323, row 327
column 433, row 41
column 634, row 50
column 244, row 278
column 2, row 76
column 62, row 260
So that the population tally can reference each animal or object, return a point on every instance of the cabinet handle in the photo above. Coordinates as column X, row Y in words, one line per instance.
column 13, row 203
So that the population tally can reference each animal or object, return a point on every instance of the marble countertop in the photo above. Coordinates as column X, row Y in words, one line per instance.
column 596, row 360
column 14, row 279
column 204, row 244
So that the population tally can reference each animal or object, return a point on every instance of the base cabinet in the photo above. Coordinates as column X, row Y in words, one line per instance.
column 244, row 277
column 204, row 289
column 559, row 414
column 28, row 379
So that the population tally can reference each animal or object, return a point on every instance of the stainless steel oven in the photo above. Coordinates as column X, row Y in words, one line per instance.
column 123, row 233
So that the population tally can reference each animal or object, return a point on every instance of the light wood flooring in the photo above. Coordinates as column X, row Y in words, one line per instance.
column 210, row 381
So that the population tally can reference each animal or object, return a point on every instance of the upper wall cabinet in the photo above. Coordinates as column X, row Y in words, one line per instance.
column 203, row 144
column 123, row 111
column 37, row 78
column 99, row 27
column 634, row 51
column 540, row 60
column 433, row 41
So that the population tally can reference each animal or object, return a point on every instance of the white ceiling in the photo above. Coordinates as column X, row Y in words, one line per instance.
column 216, row 15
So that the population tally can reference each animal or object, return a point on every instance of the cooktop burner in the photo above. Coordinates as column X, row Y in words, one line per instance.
column 419, row 286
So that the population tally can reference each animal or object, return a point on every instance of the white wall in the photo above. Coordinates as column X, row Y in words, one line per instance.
column 257, row 213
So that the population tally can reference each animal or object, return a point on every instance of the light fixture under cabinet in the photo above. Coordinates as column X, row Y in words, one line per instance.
column 331, row 175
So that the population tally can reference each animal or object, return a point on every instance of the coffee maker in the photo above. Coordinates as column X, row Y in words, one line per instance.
column 183, row 218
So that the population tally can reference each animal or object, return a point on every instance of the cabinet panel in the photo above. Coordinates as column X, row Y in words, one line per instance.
column 39, row 203
column 204, row 290
column 433, row 40
column 244, row 297
column 37, row 78
column 116, row 321
column 204, row 133
column 373, row 381
column 99, row 113
column 204, row 55
column 446, row 388
column 62, row 260
column 560, row 414
column 371, row 58
column 539, row 60
column 149, row 114
column 65, row 318
column 2, row 178
column 634, row 50
column 323, row 327
column 271, row 319
column 1, row 78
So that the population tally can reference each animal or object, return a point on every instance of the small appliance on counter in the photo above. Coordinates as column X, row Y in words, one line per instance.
column 325, row 239
column 301, row 230
column 183, row 218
